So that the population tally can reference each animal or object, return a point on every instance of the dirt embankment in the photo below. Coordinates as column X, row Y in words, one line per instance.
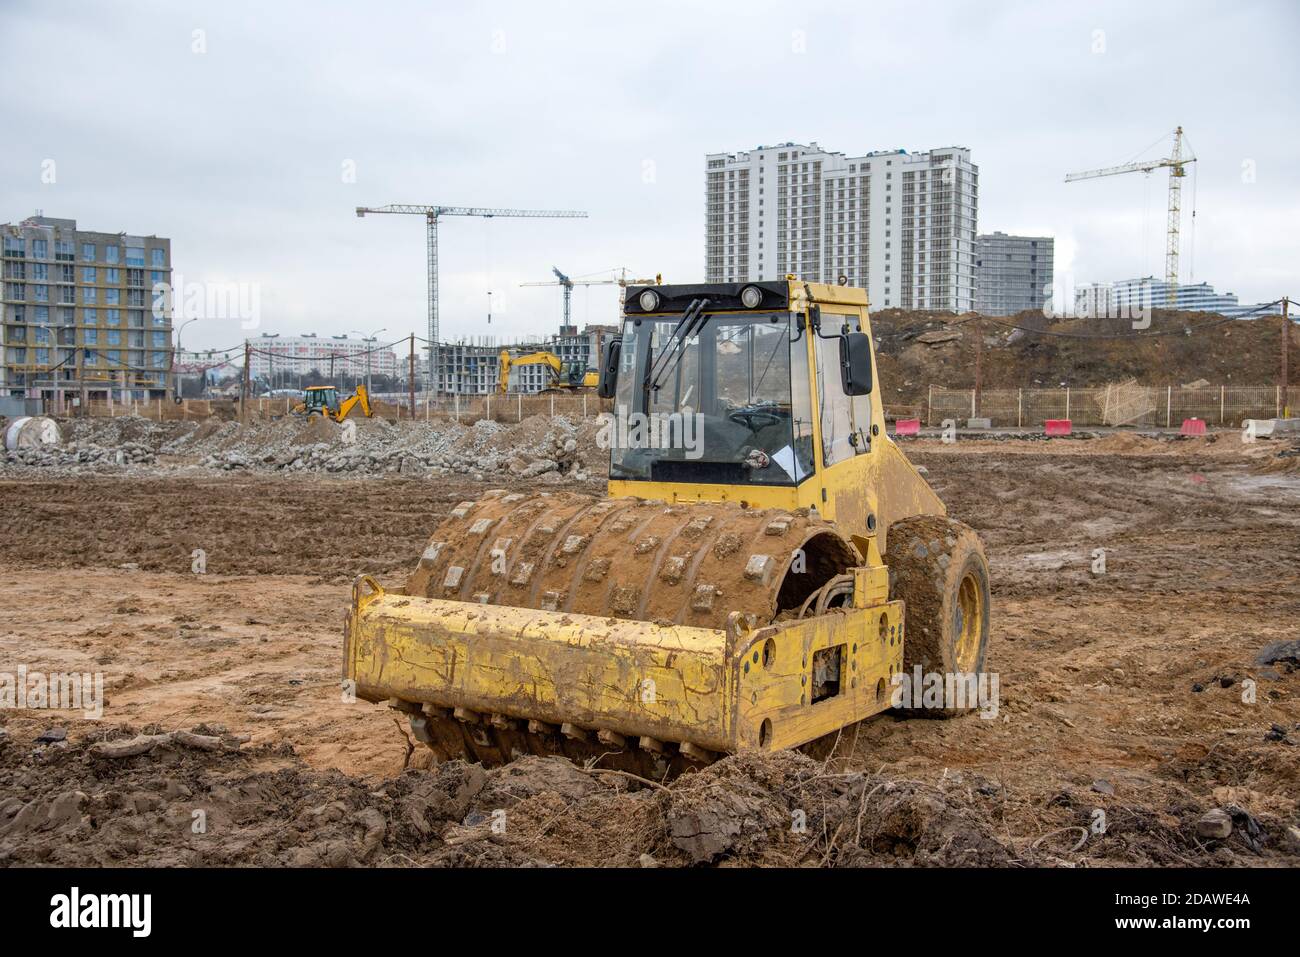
column 1177, row 348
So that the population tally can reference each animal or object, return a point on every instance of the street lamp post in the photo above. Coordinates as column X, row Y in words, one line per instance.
column 371, row 339
column 179, row 330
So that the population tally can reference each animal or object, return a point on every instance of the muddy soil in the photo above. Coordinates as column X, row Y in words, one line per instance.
column 244, row 524
column 1133, row 689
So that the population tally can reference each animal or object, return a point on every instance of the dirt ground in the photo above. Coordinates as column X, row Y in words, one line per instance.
column 1124, row 691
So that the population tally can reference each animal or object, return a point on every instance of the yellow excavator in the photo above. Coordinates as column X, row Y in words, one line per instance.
column 764, row 571
column 564, row 376
column 324, row 400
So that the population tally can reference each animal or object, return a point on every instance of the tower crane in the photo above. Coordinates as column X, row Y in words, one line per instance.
column 568, row 285
column 431, row 215
column 1175, row 162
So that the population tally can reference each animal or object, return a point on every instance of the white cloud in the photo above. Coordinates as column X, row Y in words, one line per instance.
column 236, row 153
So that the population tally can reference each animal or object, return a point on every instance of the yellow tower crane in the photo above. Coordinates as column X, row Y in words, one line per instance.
column 1176, row 161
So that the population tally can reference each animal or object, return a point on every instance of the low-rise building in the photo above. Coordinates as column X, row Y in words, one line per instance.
column 272, row 355
column 1128, row 297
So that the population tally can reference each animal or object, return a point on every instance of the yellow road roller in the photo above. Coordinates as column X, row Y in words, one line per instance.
column 765, row 568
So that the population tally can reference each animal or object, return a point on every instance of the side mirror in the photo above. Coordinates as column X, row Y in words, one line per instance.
column 609, row 368
column 855, row 363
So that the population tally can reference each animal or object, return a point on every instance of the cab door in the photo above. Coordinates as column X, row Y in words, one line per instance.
column 846, row 431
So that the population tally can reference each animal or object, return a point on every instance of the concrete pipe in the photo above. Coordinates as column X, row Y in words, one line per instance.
column 32, row 431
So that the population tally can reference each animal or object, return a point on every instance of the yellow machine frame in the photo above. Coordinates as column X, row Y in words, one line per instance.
column 715, row 690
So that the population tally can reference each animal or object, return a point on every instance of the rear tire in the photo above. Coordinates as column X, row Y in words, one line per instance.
column 937, row 567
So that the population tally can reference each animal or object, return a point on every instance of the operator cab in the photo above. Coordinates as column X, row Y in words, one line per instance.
column 572, row 373
column 722, row 383
column 318, row 398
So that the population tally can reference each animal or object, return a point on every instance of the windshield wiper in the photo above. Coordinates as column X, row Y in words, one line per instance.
column 667, row 360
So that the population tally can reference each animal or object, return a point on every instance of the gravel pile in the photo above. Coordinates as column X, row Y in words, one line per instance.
column 531, row 449
column 553, row 450
column 82, row 455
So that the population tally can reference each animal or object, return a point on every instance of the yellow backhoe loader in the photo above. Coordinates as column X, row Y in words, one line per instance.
column 324, row 400
column 764, row 570
column 564, row 376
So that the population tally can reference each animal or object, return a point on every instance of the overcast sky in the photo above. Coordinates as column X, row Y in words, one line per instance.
column 236, row 142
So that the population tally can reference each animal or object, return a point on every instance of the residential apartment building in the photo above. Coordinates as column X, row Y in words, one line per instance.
column 79, row 312
column 1012, row 273
column 328, row 355
column 901, row 225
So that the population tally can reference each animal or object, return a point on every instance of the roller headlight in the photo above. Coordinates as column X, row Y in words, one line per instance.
column 752, row 297
column 649, row 300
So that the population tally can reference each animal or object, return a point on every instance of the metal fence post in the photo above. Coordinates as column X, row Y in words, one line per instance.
column 1169, row 406
column 1020, row 408
column 1067, row 402
column 1223, row 392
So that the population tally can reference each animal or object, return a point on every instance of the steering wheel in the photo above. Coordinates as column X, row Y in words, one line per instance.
column 747, row 418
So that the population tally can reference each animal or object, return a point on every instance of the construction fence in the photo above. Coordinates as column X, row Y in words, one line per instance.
column 1114, row 405
column 1119, row 404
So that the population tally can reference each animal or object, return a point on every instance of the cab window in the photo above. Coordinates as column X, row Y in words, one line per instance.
column 846, row 421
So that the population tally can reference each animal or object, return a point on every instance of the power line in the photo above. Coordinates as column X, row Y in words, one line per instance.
column 338, row 355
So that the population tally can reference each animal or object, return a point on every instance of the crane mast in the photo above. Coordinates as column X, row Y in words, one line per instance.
column 568, row 284
column 431, row 215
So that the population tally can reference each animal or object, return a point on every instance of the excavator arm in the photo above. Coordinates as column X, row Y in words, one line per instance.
column 360, row 396
column 506, row 361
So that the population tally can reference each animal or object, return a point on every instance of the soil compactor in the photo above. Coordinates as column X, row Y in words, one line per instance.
column 765, row 566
